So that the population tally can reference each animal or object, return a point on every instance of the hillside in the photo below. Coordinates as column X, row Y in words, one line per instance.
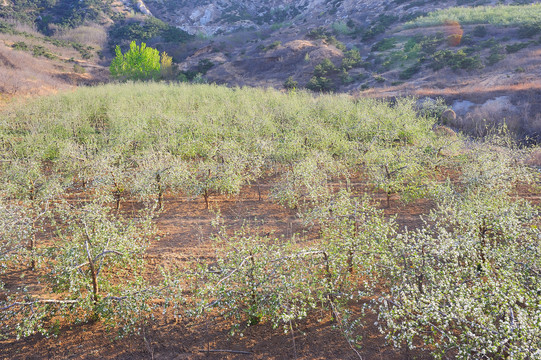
column 481, row 56
column 182, row 221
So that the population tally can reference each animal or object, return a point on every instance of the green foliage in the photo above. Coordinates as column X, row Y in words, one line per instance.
column 325, row 68
column 466, row 281
column 530, row 29
column 320, row 84
column 96, row 248
column 146, row 30
column 36, row 50
column 385, row 44
column 494, row 58
column 379, row 78
column 455, row 60
column 343, row 28
column 61, row 13
column 513, row 48
column 308, row 181
column 463, row 284
column 273, row 45
column 255, row 279
column 166, row 66
column 319, row 33
column 379, row 25
column 175, row 35
column 323, row 34
column 499, row 15
column 39, row 50
column 204, row 65
column 409, row 72
column 138, row 63
column 352, row 59
column 20, row 45
column 290, row 83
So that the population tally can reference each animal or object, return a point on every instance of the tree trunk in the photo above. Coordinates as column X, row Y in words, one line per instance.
column 33, row 251
column 160, row 190
column 206, row 196
column 328, row 277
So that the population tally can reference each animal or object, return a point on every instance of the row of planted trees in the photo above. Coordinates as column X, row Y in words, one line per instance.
column 467, row 282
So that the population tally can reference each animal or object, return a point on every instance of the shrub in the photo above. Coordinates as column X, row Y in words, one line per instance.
column 529, row 30
column 343, row 28
column 323, row 34
column 272, row 46
column 79, row 69
column 320, row 84
column 318, row 33
column 325, row 68
column 166, row 66
column 379, row 26
column 20, row 45
column 455, row 60
column 410, row 71
column 513, row 48
column 204, row 65
column 352, row 59
column 379, row 78
column 480, row 31
column 38, row 50
column 290, row 83
column 385, row 44
column 495, row 57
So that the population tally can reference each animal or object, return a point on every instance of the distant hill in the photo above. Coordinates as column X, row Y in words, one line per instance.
column 481, row 56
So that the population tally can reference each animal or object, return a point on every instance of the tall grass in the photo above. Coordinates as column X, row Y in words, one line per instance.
column 504, row 15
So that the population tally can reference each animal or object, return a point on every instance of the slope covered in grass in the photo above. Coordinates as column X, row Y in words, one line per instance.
column 501, row 15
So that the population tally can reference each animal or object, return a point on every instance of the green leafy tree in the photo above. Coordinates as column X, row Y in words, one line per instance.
column 138, row 63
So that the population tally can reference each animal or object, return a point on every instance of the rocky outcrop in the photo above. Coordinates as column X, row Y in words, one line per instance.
column 230, row 15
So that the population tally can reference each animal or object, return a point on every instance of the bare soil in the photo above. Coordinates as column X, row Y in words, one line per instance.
column 186, row 231
column 186, row 235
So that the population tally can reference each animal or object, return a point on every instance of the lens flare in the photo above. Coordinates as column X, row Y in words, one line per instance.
column 454, row 32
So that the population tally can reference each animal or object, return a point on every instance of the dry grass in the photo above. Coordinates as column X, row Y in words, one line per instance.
column 24, row 27
column 91, row 34
column 535, row 158
column 21, row 73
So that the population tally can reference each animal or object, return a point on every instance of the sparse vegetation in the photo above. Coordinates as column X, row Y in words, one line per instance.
column 500, row 15
column 320, row 84
column 455, row 60
column 326, row 67
column 290, row 83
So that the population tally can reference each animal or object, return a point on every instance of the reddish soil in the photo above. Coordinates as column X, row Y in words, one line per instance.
column 185, row 235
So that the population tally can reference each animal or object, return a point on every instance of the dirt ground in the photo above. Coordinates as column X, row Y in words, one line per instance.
column 185, row 234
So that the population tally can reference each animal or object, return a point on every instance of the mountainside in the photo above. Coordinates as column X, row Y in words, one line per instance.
column 481, row 56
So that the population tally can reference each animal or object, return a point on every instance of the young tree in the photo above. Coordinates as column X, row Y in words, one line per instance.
column 467, row 284
column 95, row 272
column 308, row 180
column 138, row 63
column 255, row 279
column 166, row 66
column 35, row 188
